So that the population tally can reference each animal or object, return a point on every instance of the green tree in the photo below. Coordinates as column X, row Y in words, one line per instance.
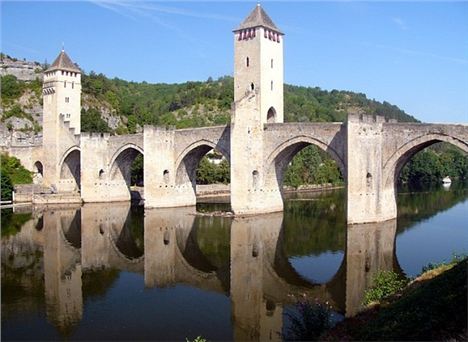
column 12, row 168
column 91, row 121
column 6, row 187
column 11, row 87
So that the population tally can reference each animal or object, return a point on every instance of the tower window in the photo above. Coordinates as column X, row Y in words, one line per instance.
column 271, row 62
column 73, row 85
column 271, row 115
column 252, row 86
column 271, row 85
column 65, row 84
column 247, row 62
column 67, row 100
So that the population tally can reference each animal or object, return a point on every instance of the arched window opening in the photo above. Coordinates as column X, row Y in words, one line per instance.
column 40, row 223
column 247, row 62
column 255, row 250
column 252, row 86
column 166, row 176
column 101, row 174
column 271, row 115
column 255, row 179
column 368, row 180
column 270, row 307
column 271, row 85
column 38, row 173
column 271, row 63
column 166, row 238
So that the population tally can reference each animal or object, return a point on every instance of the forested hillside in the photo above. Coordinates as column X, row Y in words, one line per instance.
column 195, row 104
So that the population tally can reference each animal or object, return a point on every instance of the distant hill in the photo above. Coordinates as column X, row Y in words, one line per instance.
column 120, row 107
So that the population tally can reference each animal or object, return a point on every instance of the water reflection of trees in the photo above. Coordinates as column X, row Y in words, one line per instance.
column 316, row 225
column 415, row 205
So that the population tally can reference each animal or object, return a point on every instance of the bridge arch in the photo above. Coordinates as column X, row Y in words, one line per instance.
column 282, row 155
column 395, row 163
column 124, row 244
column 70, row 168
column 71, row 229
column 187, row 161
column 121, row 163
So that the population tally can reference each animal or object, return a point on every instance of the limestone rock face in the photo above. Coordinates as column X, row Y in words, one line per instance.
column 22, row 70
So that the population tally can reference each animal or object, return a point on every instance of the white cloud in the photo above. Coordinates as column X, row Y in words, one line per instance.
column 400, row 23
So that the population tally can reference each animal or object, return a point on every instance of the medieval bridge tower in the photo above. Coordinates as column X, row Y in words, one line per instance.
column 258, row 99
column 61, row 124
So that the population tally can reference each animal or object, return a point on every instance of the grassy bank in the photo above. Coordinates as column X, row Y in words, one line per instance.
column 431, row 307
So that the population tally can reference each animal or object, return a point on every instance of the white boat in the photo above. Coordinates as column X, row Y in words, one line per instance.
column 447, row 180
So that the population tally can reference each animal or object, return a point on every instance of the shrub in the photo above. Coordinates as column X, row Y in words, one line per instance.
column 310, row 320
column 385, row 283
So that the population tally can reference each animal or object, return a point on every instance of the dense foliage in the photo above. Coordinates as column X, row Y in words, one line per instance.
column 12, row 173
column 195, row 104
column 312, row 166
column 433, row 164
column 384, row 284
column 209, row 172
column 6, row 187
column 91, row 121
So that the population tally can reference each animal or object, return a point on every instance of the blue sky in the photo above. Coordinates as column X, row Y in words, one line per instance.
column 411, row 54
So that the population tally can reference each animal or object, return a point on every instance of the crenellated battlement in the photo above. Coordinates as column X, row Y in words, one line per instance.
column 368, row 118
column 95, row 136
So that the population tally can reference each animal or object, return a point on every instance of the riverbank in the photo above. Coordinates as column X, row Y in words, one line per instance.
column 431, row 307
column 223, row 190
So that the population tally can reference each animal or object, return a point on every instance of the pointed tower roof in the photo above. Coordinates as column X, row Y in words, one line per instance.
column 258, row 17
column 63, row 62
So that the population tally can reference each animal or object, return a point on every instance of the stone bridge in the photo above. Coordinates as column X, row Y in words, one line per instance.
column 369, row 152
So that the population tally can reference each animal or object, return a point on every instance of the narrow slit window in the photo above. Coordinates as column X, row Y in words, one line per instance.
column 247, row 62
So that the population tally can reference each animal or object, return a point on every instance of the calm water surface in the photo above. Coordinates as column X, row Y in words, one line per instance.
column 117, row 272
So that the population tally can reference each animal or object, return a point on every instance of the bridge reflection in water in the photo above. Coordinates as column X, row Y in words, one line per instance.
column 249, row 262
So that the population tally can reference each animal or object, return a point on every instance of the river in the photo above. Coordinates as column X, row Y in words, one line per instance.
column 116, row 272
